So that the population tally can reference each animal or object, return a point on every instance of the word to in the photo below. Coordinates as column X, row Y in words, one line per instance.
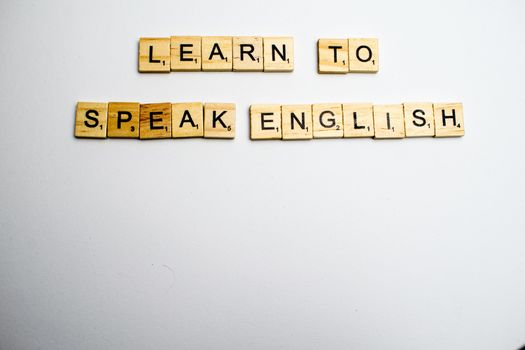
column 347, row 55
column 293, row 122
column 216, row 53
column 155, row 120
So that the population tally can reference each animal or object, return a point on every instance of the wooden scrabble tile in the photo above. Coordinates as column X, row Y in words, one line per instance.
column 154, row 55
column 278, row 54
column 187, row 120
column 186, row 53
column 327, row 120
column 123, row 119
column 358, row 120
column 449, row 119
column 389, row 121
column 297, row 122
column 332, row 55
column 217, row 53
column 419, row 119
column 91, row 120
column 363, row 55
column 248, row 54
column 155, row 121
column 219, row 120
column 265, row 122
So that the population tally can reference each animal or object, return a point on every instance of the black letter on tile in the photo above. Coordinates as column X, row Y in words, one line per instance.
column 219, row 52
column 335, row 48
column 263, row 120
column 153, row 120
column 363, row 47
column 182, row 52
column 302, row 122
column 186, row 118
column 88, row 116
column 121, row 120
column 247, row 52
column 355, row 122
column 151, row 60
column 281, row 54
column 331, row 120
column 452, row 116
column 421, row 119
column 218, row 118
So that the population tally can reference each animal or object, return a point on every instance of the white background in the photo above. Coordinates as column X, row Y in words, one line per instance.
column 214, row 244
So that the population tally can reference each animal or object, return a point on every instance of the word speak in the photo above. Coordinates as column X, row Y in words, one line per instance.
column 155, row 120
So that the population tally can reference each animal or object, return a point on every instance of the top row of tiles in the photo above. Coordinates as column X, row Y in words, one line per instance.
column 252, row 53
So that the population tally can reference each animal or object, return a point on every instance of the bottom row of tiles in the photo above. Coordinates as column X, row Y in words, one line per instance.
column 287, row 122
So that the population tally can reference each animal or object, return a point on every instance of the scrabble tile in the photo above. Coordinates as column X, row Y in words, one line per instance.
column 363, row 55
column 332, row 55
column 389, row 121
column 217, row 53
column 186, row 53
column 449, row 119
column 248, row 54
column 155, row 121
column 419, row 119
column 278, row 54
column 219, row 120
column 296, row 122
column 154, row 55
column 123, row 119
column 327, row 120
column 187, row 120
column 91, row 120
column 265, row 122
column 358, row 120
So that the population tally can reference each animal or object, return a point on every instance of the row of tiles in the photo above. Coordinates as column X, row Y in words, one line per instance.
column 216, row 53
column 334, row 120
column 287, row 122
column 348, row 55
column 252, row 53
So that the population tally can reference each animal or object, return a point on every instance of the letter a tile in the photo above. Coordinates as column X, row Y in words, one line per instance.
column 187, row 120
column 217, row 53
